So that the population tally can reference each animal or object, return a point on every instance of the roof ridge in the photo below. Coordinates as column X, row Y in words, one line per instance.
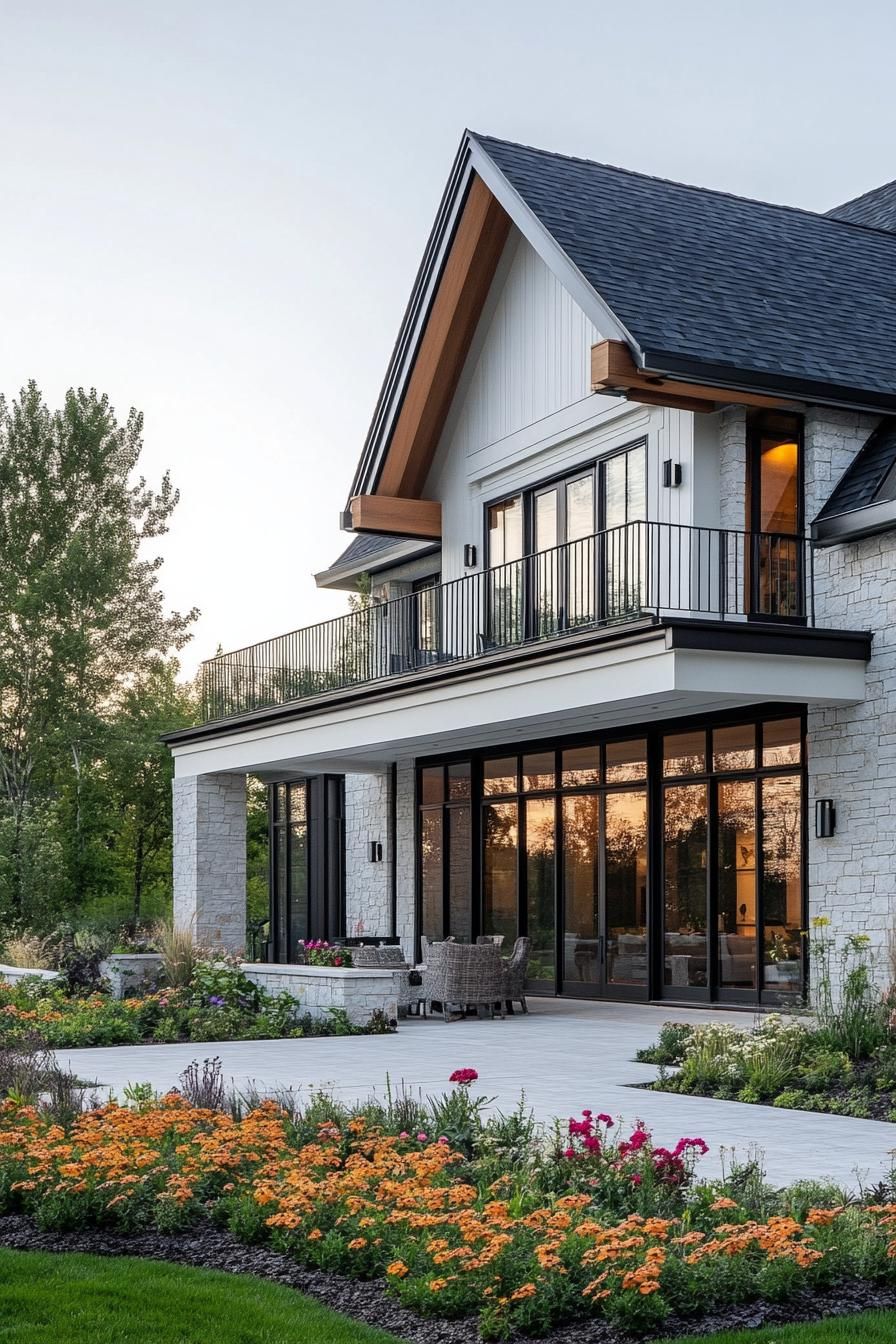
column 690, row 186
column 863, row 195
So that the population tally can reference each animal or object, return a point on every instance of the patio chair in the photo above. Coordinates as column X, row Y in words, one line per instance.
column 513, row 975
column 391, row 959
column 463, row 975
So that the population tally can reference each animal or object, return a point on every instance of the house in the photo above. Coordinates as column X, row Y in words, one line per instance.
column 620, row 668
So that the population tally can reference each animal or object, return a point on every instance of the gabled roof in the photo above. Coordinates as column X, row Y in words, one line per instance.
column 864, row 499
column 875, row 208
column 700, row 284
column 704, row 281
column 369, row 553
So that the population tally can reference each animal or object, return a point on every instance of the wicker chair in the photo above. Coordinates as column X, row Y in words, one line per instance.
column 513, row 975
column 391, row 958
column 463, row 975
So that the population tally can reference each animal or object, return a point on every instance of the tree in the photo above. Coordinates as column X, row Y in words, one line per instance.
column 81, row 613
column 138, row 770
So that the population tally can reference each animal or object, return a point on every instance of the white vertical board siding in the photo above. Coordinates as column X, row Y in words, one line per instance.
column 524, row 412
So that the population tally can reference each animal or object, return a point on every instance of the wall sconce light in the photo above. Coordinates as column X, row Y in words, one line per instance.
column 375, row 850
column 825, row 818
column 469, row 555
column 671, row 473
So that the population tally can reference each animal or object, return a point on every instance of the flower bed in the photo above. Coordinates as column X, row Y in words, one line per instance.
column 462, row 1218
column 842, row 1061
column 221, row 1003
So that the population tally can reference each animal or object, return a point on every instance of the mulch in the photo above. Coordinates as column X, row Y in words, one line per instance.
column 211, row 1248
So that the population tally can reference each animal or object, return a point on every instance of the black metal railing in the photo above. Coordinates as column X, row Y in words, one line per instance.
column 634, row 572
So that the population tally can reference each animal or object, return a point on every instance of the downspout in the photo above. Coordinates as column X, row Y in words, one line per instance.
column 393, row 850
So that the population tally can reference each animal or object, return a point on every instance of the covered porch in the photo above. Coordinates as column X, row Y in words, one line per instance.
column 637, row 804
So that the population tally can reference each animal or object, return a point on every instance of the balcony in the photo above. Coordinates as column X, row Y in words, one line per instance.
column 640, row 572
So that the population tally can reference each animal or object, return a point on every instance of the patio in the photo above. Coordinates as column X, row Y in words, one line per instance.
column 564, row 1055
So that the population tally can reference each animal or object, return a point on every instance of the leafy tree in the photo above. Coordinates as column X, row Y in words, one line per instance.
column 82, row 619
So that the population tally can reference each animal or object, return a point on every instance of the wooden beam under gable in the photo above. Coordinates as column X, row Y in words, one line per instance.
column 614, row 370
column 455, row 311
column 401, row 517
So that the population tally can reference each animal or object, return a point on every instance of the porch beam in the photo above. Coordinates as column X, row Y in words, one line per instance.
column 614, row 370
column 396, row 515
column 456, row 308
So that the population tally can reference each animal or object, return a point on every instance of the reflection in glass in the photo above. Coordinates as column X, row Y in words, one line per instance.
column 546, row 564
column 625, row 840
column 460, row 873
column 284, row 952
column 541, row 887
column 737, row 884
column 581, row 961
column 580, row 555
column 782, row 891
column 624, row 504
column 298, row 881
column 505, row 576
column 580, row 765
column 626, row 761
column 499, row 776
column 499, row 878
column 684, row 753
column 684, row 886
column 459, row 780
column 432, row 784
column 734, row 748
column 432, row 923
column 781, row 740
column 538, row 771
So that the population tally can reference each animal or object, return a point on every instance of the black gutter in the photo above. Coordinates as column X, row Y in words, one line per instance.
column 855, row 523
column 762, row 637
column 663, row 363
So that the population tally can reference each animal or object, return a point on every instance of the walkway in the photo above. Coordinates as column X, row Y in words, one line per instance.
column 563, row 1056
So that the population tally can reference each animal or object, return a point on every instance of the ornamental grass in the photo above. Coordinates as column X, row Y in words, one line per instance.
column 583, row 1224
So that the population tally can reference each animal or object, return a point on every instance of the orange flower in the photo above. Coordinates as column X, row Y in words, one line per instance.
column 397, row 1270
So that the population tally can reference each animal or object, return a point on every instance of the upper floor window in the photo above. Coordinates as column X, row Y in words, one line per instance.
column 772, row 560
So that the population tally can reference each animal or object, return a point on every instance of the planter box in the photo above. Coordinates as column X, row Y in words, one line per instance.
column 130, row 972
column 360, row 991
column 13, row 973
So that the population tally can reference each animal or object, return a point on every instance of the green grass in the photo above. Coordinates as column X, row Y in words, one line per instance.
column 871, row 1327
column 73, row 1299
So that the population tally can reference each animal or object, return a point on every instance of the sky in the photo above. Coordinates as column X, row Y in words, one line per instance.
column 215, row 211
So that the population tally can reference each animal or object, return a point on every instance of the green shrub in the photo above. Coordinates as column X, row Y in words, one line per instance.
column 670, row 1046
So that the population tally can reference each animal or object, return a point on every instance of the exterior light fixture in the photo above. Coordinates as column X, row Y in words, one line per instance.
column 671, row 473
column 375, row 850
column 469, row 555
column 825, row 818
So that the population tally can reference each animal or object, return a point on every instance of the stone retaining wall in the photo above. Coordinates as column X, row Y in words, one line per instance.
column 360, row 992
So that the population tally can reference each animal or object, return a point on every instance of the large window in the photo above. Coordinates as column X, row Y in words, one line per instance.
column 668, row 863
column 733, row 860
column 307, row 844
column 290, row 888
column 775, row 515
column 549, row 568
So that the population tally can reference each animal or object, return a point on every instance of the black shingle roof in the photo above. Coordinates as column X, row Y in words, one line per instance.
column 859, row 484
column 875, row 208
column 365, row 547
column 704, row 280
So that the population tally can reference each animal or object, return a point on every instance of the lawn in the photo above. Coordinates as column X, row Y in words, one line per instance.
column 871, row 1327
column 72, row 1298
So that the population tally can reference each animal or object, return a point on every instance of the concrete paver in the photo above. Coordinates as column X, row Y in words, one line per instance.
column 563, row 1056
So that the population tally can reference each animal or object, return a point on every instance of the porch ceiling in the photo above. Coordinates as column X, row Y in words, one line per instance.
column 655, row 674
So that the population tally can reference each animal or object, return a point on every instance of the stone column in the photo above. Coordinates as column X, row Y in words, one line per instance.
column 209, row 854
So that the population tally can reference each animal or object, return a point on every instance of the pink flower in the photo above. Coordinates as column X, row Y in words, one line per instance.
column 463, row 1077
column 442, row 1138
column 569, row 1152
column 404, row 1134
column 421, row 1137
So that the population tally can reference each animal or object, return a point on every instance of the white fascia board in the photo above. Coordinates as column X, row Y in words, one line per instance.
column 633, row 682
column 550, row 251
column 344, row 577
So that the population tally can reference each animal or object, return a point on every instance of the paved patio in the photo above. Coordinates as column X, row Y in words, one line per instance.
column 563, row 1056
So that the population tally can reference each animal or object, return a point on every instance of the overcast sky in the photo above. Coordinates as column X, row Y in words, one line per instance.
column 214, row 211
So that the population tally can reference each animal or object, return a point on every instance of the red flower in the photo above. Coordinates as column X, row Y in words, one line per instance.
column 463, row 1077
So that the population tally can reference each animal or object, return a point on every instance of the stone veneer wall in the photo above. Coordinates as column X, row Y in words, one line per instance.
column 368, row 885
column 852, row 748
column 318, row 988
column 209, row 849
